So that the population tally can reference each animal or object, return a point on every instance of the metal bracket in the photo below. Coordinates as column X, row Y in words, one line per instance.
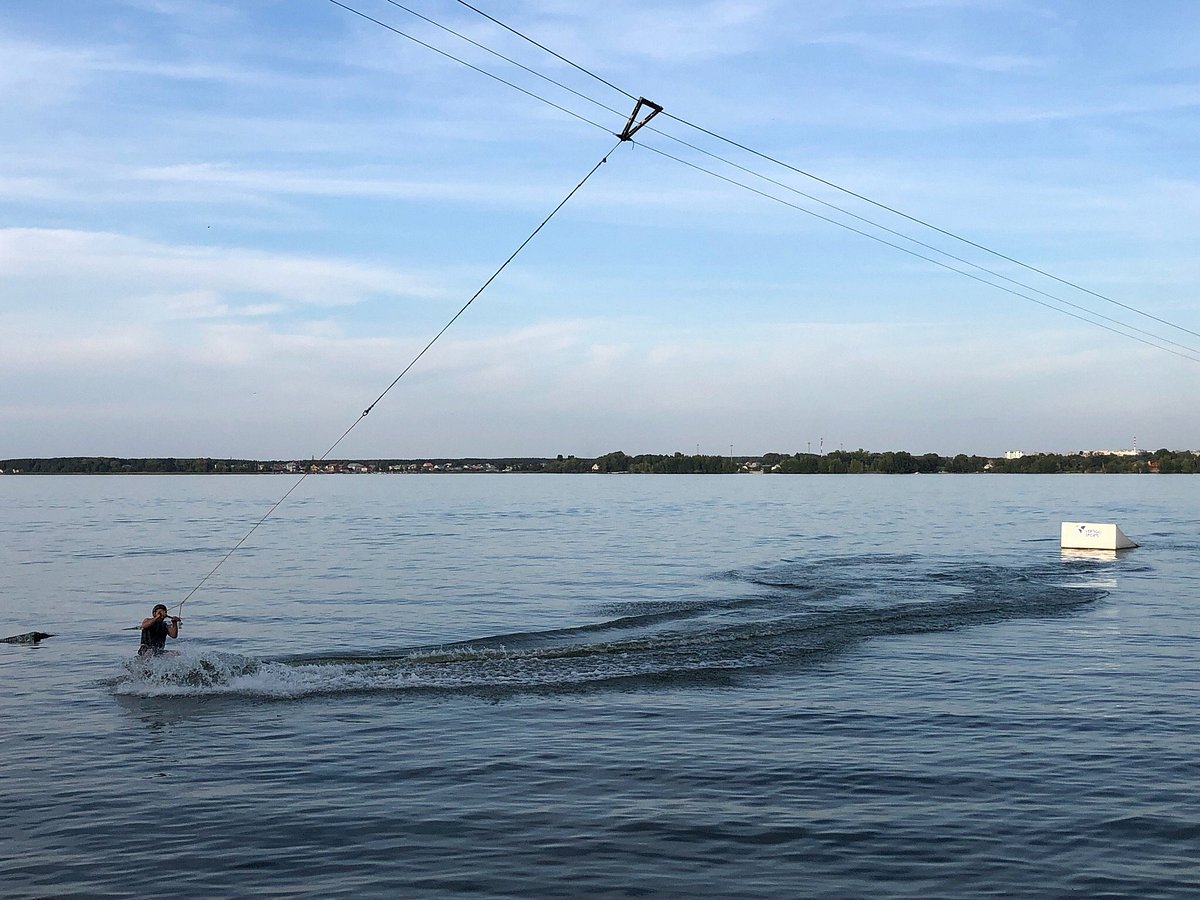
column 633, row 125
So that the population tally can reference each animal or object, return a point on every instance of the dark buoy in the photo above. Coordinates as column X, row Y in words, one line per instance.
column 29, row 637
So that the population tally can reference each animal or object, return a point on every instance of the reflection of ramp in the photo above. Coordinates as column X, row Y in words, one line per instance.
column 1091, row 536
column 1075, row 553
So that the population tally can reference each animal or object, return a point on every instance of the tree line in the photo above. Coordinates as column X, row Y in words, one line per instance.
column 109, row 465
column 889, row 462
column 835, row 462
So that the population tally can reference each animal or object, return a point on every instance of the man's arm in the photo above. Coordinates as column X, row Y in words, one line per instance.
column 173, row 627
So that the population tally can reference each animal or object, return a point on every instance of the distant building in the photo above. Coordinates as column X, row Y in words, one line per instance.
column 1013, row 454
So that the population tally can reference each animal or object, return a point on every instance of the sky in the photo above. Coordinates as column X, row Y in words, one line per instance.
column 226, row 227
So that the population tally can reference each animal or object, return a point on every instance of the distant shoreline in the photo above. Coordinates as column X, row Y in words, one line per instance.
column 835, row 462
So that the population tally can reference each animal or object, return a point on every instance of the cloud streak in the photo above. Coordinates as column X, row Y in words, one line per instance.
column 121, row 266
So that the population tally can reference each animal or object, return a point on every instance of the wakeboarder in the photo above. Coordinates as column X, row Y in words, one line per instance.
column 156, row 629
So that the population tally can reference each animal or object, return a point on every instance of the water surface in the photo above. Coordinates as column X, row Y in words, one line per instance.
column 723, row 686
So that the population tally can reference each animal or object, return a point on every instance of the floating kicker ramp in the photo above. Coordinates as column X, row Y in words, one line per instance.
column 1093, row 536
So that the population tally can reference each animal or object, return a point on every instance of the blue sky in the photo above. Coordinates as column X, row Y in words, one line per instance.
column 225, row 227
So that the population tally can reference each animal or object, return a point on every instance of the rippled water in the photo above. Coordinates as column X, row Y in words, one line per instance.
column 730, row 686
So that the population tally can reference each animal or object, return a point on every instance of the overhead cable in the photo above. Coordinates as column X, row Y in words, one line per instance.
column 931, row 226
column 931, row 247
column 883, row 206
column 500, row 55
column 463, row 62
column 1151, row 342
column 557, row 56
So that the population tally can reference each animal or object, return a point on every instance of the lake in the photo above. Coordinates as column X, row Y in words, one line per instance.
column 557, row 686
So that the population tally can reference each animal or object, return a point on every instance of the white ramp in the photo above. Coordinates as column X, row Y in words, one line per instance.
column 1093, row 536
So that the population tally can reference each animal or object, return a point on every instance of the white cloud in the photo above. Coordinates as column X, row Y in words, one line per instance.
column 37, row 75
column 232, row 181
column 921, row 50
column 603, row 37
column 116, row 268
column 190, row 11
column 282, row 391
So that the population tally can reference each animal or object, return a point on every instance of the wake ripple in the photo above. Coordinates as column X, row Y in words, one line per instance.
column 794, row 613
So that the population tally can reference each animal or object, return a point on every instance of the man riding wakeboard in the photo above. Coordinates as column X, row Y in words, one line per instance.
column 156, row 629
